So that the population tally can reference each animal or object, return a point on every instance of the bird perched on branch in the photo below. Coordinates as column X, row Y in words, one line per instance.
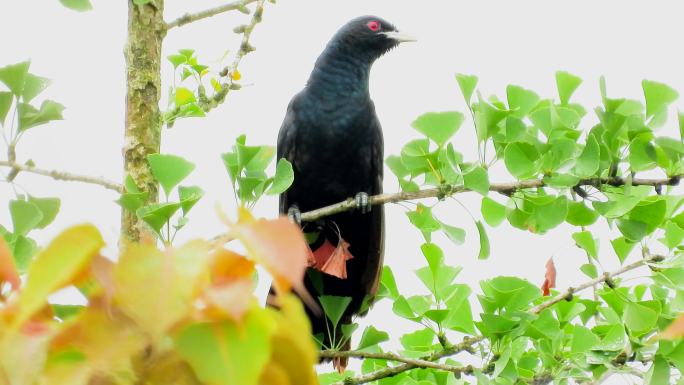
column 332, row 137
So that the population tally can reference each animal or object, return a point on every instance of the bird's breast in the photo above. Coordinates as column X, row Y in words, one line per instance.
column 336, row 164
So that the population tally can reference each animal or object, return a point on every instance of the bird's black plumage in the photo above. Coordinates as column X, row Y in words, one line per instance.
column 333, row 139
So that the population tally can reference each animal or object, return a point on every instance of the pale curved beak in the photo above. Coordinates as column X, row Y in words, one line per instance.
column 399, row 36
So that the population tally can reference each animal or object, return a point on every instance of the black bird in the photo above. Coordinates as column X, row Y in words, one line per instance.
column 332, row 137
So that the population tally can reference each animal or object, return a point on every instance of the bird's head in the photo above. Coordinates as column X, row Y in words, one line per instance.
column 369, row 35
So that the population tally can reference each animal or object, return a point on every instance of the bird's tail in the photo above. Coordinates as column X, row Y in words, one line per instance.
column 319, row 328
column 340, row 363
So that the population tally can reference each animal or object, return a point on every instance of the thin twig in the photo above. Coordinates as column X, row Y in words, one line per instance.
column 245, row 48
column 606, row 277
column 468, row 342
column 192, row 17
column 416, row 362
column 617, row 370
column 502, row 188
column 220, row 240
column 65, row 176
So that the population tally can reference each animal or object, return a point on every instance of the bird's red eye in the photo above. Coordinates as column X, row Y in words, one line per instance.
column 373, row 25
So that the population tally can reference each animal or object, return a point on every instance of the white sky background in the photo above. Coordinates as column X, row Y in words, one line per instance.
column 503, row 42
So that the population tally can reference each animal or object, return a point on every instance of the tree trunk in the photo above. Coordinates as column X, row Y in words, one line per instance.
column 146, row 30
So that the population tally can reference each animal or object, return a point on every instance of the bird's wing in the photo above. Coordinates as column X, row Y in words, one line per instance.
column 377, row 241
column 287, row 140
column 378, row 154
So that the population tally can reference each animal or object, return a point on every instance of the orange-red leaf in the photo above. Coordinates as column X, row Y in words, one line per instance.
column 35, row 328
column 8, row 269
column 227, row 266
column 277, row 244
column 549, row 277
column 231, row 292
column 280, row 247
column 333, row 260
column 231, row 299
column 102, row 281
column 320, row 256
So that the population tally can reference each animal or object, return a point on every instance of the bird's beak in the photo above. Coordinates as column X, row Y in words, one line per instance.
column 399, row 36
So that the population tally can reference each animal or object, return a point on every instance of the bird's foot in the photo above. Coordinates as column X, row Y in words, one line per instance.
column 363, row 203
column 295, row 215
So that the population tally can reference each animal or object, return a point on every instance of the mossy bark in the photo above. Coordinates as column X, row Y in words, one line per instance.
column 146, row 30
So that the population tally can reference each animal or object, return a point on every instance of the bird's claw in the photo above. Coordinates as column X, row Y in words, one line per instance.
column 363, row 203
column 295, row 215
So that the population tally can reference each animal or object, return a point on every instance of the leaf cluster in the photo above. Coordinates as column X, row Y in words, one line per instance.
column 587, row 175
column 185, row 315
column 19, row 112
column 246, row 167
column 188, row 95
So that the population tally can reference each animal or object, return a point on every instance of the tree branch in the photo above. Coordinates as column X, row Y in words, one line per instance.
column 394, row 370
column 192, row 17
column 65, row 176
column 416, row 362
column 142, row 126
column 468, row 342
column 245, row 47
column 502, row 188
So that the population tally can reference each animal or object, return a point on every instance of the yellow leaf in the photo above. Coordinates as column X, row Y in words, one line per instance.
column 168, row 369
column 66, row 371
column 275, row 375
column 98, row 342
column 59, row 265
column 192, row 263
column 23, row 353
column 157, row 288
column 235, row 75
column 245, row 216
column 293, row 351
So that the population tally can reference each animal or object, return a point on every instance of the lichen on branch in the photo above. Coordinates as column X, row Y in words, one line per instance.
column 146, row 31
